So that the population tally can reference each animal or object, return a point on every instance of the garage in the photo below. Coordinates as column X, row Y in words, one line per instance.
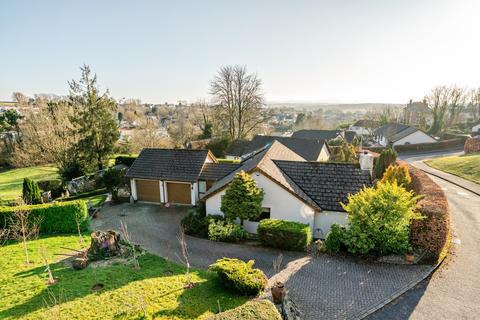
column 178, row 192
column 148, row 190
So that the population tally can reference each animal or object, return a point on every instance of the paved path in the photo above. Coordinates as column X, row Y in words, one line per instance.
column 324, row 287
column 453, row 292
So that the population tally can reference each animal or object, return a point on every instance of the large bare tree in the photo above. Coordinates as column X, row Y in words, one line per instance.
column 457, row 98
column 474, row 103
column 239, row 99
column 438, row 101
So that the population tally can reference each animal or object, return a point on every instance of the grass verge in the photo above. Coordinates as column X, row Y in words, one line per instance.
column 464, row 166
column 155, row 290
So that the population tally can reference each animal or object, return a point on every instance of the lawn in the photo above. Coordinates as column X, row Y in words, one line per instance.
column 156, row 288
column 464, row 166
column 11, row 180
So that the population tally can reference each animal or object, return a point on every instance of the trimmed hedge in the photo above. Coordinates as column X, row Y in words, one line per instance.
column 432, row 146
column 59, row 217
column 240, row 276
column 283, row 234
column 252, row 310
column 433, row 232
column 195, row 224
column 472, row 145
column 226, row 231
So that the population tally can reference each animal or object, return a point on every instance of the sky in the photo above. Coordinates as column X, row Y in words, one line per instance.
column 335, row 51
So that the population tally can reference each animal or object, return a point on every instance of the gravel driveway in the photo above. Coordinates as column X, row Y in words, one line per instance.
column 323, row 287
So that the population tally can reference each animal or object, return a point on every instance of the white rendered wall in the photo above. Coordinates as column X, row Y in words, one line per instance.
column 324, row 221
column 283, row 205
column 414, row 138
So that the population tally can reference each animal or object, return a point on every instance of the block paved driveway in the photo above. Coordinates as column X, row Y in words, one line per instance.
column 323, row 287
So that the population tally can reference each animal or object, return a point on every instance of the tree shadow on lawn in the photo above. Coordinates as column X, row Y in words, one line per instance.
column 74, row 285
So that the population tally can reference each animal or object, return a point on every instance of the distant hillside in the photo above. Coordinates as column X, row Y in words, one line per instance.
column 335, row 106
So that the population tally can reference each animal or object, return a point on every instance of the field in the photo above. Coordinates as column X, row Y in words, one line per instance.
column 155, row 290
column 11, row 180
column 465, row 166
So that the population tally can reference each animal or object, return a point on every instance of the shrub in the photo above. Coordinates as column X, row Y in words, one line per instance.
column 386, row 158
column 379, row 219
column 252, row 310
column 126, row 160
column 225, row 231
column 113, row 180
column 195, row 225
column 284, row 234
column 397, row 173
column 54, row 186
column 31, row 192
column 472, row 145
column 431, row 233
column 335, row 239
column 59, row 217
column 242, row 199
column 240, row 276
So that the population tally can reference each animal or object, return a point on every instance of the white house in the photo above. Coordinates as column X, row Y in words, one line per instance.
column 399, row 134
column 476, row 129
column 363, row 127
column 295, row 189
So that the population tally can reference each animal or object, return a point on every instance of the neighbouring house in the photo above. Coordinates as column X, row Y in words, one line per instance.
column 399, row 134
column 295, row 189
column 417, row 113
column 364, row 127
column 178, row 176
column 322, row 135
column 236, row 149
column 348, row 135
column 310, row 150
column 476, row 129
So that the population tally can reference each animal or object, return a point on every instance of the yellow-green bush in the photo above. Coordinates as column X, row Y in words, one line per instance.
column 240, row 276
column 398, row 173
column 283, row 234
column 252, row 310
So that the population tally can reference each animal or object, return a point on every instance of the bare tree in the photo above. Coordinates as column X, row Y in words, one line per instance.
column 277, row 263
column 147, row 136
column 474, row 103
column 81, row 241
column 128, row 239
column 24, row 227
column 185, row 255
column 48, row 270
column 239, row 99
column 438, row 101
column 456, row 104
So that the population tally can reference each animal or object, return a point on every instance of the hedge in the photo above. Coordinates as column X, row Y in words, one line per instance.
column 472, row 145
column 283, row 234
column 252, row 310
column 240, row 276
column 433, row 146
column 126, row 160
column 58, row 217
column 433, row 232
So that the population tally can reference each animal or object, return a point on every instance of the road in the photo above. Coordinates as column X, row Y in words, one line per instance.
column 453, row 291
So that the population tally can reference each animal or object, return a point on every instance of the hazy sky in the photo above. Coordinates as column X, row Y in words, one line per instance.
column 157, row 51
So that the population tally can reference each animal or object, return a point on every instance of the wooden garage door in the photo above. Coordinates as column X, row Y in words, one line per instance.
column 148, row 190
column 179, row 193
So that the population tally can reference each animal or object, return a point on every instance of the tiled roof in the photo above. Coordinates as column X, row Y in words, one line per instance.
column 366, row 123
column 263, row 161
column 326, row 183
column 316, row 134
column 216, row 171
column 390, row 129
column 307, row 149
column 402, row 134
column 168, row 164
column 349, row 135
column 236, row 148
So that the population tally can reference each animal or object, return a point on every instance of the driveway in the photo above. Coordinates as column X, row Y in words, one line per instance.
column 323, row 287
column 453, row 292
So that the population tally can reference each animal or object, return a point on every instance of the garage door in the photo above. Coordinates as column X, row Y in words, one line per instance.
column 148, row 190
column 179, row 193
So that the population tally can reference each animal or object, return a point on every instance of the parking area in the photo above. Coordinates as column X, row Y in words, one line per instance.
column 323, row 287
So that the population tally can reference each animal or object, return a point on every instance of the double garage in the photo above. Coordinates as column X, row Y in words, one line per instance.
column 158, row 191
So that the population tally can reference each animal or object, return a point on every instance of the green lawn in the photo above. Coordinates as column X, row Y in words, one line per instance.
column 11, row 180
column 157, row 288
column 465, row 166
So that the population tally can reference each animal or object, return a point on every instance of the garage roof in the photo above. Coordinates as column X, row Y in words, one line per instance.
column 168, row 164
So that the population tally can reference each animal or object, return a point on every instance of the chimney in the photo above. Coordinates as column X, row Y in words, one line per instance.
column 366, row 161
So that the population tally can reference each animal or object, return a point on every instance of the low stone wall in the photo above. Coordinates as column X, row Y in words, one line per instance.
column 432, row 233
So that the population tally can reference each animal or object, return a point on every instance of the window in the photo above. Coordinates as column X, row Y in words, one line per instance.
column 264, row 215
column 202, row 186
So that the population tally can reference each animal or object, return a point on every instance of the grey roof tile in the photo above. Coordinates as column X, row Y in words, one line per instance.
column 216, row 171
column 168, row 164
